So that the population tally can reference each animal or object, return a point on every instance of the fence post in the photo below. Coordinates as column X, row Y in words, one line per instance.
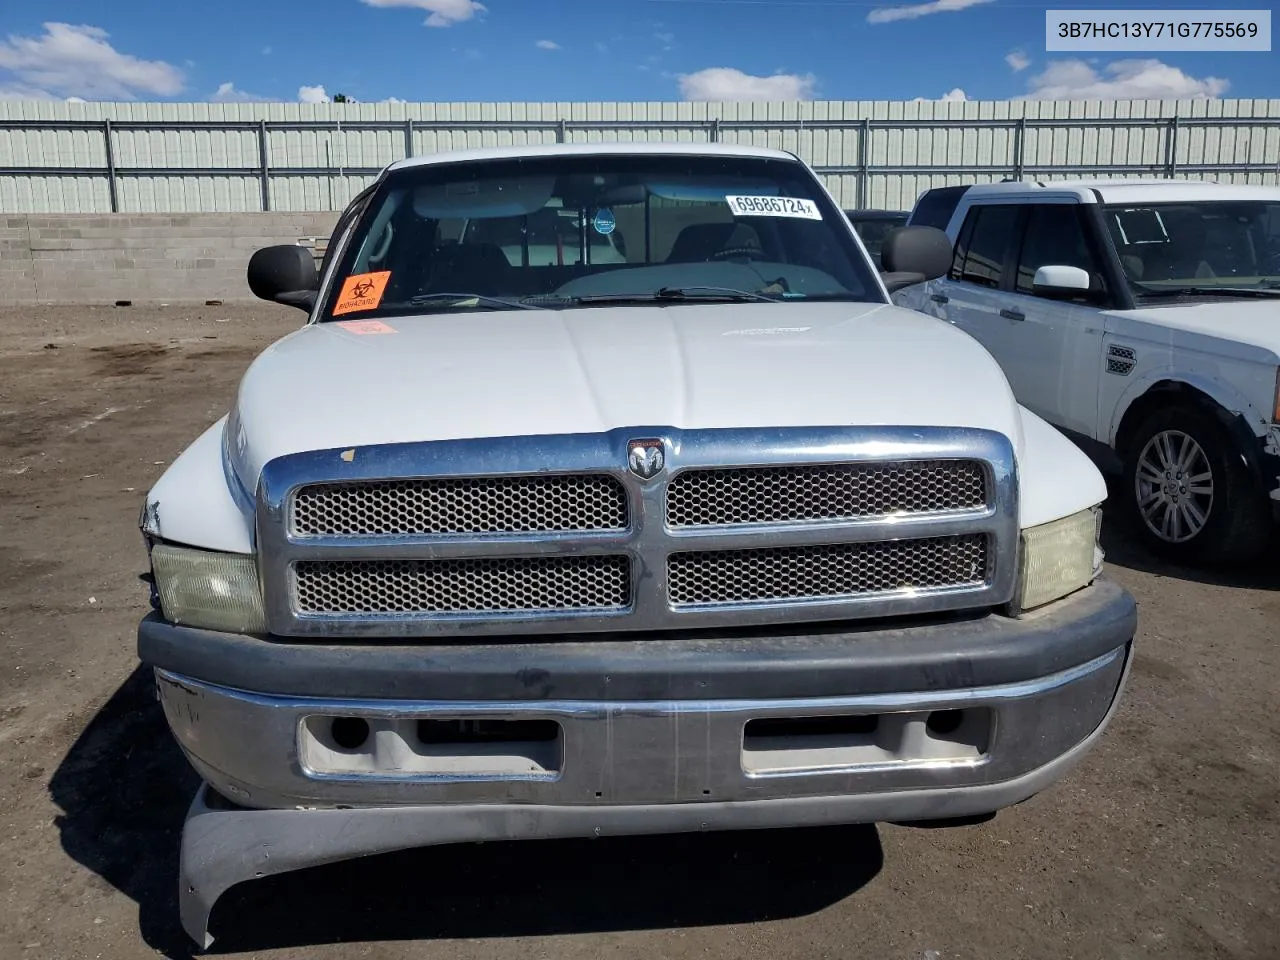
column 1171, row 149
column 864, row 153
column 408, row 139
column 264, row 169
column 1019, row 147
column 562, row 133
column 111, row 167
column 714, row 132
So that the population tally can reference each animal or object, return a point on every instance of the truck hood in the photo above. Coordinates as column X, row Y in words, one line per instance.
column 1251, row 323
column 513, row 373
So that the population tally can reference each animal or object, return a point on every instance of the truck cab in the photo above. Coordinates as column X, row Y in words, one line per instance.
column 1142, row 319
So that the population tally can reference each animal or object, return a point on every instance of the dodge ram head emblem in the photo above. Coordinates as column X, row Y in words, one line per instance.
column 645, row 457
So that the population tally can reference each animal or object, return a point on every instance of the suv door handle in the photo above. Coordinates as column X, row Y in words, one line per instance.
column 940, row 298
column 1009, row 314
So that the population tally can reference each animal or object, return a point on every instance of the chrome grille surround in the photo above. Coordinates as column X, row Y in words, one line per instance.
column 462, row 506
column 648, row 543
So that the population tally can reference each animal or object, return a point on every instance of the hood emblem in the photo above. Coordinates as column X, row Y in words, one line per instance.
column 645, row 457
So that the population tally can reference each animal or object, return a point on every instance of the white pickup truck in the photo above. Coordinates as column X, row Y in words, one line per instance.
column 1142, row 318
column 712, row 538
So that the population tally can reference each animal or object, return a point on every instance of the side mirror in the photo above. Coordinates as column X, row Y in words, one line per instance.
column 913, row 255
column 285, row 274
column 1059, row 282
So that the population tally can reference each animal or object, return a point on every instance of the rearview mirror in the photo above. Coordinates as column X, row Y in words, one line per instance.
column 913, row 255
column 285, row 274
column 1060, row 282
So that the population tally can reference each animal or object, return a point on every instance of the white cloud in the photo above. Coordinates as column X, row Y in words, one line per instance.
column 914, row 11
column 20, row 91
column 227, row 93
column 266, row 51
column 547, row 45
column 1017, row 60
column 444, row 13
column 601, row 48
column 1120, row 80
column 726, row 83
column 70, row 60
column 954, row 95
column 312, row 95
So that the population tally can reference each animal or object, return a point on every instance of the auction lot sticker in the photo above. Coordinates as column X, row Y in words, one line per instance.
column 774, row 207
column 363, row 291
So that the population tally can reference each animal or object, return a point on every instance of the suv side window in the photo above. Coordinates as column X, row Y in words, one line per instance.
column 1054, row 235
column 989, row 232
column 935, row 207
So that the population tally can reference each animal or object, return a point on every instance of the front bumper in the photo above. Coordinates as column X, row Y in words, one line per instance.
column 939, row 719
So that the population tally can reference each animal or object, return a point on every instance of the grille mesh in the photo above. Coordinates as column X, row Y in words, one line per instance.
column 502, row 585
column 489, row 505
column 828, row 571
column 826, row 492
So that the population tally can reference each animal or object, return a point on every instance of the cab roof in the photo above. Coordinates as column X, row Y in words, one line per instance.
column 1120, row 190
column 517, row 151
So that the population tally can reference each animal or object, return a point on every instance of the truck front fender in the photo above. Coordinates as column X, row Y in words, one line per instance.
column 192, row 502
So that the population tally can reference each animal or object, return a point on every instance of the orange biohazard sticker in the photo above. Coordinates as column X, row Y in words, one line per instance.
column 365, row 326
column 361, row 292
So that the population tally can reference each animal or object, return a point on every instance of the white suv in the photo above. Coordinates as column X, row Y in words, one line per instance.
column 1142, row 318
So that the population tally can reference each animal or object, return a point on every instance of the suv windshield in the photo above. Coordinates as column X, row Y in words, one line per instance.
column 562, row 232
column 1171, row 248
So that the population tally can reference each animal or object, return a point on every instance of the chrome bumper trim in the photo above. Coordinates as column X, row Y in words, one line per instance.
column 250, row 746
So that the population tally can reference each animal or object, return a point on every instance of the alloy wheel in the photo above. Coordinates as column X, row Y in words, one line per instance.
column 1174, row 486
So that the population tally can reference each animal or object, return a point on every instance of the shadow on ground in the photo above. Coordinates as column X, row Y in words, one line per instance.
column 124, row 788
column 1125, row 549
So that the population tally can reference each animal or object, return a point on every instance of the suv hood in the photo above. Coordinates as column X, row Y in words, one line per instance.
column 1252, row 323
column 509, row 373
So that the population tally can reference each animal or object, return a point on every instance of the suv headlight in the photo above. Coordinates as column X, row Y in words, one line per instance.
column 1059, row 558
column 215, row 591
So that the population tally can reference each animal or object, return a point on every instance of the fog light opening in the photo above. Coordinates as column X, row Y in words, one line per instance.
column 349, row 733
column 943, row 722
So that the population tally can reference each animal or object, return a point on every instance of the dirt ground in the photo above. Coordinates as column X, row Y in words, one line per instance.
column 1163, row 843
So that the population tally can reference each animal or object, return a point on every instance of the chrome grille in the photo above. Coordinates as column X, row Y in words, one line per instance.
column 460, row 586
column 460, row 506
column 741, row 527
column 833, row 492
column 827, row 571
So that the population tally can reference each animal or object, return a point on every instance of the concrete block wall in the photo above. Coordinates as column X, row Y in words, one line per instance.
column 96, row 258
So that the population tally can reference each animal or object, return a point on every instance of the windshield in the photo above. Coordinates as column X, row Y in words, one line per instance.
column 565, row 232
column 1184, row 247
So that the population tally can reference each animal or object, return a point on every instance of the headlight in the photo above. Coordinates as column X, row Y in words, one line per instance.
column 1059, row 558
column 216, row 591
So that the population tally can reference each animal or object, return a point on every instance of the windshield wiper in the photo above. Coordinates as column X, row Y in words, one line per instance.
column 1169, row 292
column 669, row 294
column 495, row 303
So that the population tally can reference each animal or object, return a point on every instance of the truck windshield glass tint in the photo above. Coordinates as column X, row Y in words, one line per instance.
column 564, row 232
column 1179, row 245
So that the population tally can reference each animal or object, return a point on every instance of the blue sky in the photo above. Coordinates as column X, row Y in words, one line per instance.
column 450, row 50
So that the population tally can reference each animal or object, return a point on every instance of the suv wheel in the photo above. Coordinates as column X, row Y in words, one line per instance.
column 1189, row 492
